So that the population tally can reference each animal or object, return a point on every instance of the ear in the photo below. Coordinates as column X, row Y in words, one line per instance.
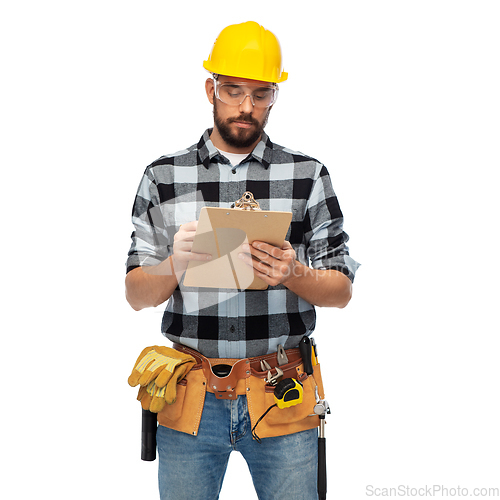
column 210, row 89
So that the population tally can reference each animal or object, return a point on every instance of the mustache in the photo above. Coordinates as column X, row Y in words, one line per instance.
column 247, row 118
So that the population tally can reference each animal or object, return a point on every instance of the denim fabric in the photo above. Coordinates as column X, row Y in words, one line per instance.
column 193, row 467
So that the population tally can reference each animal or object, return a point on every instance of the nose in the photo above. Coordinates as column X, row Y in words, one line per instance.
column 247, row 105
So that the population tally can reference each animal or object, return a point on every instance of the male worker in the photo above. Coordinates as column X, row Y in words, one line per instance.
column 313, row 268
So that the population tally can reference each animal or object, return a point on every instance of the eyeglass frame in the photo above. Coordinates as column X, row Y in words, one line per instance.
column 218, row 84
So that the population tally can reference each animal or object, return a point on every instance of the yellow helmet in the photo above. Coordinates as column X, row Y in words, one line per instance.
column 247, row 50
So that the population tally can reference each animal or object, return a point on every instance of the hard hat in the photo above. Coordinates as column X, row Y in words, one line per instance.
column 247, row 50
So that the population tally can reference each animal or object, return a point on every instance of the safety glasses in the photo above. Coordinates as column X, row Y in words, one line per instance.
column 235, row 93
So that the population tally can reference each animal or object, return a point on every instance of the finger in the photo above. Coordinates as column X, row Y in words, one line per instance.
column 182, row 235
column 257, row 252
column 186, row 231
column 183, row 246
column 257, row 265
column 247, row 258
column 199, row 256
column 264, row 247
column 188, row 255
column 189, row 226
column 271, row 250
column 267, row 277
column 271, row 258
column 261, row 270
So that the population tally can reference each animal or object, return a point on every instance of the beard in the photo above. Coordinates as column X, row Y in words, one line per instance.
column 241, row 138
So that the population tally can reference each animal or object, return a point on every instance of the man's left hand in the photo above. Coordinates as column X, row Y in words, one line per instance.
column 274, row 265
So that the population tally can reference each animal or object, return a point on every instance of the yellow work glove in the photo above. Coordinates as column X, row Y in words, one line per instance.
column 153, row 398
column 158, row 363
column 158, row 370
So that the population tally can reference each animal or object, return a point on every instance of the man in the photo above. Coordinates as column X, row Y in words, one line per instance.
column 312, row 268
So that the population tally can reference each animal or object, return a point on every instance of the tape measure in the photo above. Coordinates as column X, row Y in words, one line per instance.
column 289, row 392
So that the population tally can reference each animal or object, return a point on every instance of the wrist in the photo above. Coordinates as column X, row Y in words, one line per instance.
column 296, row 272
column 178, row 267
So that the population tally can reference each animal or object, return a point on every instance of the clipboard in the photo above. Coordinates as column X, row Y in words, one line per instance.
column 221, row 232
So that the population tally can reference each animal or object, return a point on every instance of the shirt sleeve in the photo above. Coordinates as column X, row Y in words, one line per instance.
column 150, row 241
column 325, row 238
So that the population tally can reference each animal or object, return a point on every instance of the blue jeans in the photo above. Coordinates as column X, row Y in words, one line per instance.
column 193, row 467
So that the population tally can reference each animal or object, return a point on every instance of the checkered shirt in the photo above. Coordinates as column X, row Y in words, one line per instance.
column 232, row 323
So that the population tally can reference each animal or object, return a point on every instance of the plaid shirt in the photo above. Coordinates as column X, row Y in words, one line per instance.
column 232, row 323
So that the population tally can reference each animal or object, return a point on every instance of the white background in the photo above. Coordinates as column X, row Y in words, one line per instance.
column 398, row 98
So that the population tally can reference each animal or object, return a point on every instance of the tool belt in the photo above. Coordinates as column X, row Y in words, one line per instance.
column 229, row 378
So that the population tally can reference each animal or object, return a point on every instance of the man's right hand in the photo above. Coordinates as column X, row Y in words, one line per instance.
column 150, row 286
column 182, row 248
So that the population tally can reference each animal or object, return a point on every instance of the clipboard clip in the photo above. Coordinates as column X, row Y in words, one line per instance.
column 247, row 202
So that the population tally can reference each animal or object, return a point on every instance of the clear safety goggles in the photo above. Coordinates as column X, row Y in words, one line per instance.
column 235, row 93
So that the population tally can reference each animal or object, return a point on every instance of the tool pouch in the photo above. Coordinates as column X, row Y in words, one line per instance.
column 280, row 422
column 185, row 414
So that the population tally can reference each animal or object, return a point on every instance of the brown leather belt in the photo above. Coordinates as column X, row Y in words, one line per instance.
column 234, row 383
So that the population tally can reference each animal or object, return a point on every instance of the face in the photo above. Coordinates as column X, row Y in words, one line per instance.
column 238, row 126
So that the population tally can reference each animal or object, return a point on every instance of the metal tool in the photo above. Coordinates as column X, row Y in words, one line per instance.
column 309, row 354
column 264, row 365
column 321, row 408
column 271, row 379
column 281, row 356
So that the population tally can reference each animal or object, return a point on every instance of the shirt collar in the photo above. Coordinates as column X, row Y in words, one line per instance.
column 207, row 152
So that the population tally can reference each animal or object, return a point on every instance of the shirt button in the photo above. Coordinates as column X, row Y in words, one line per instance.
column 233, row 171
column 232, row 329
